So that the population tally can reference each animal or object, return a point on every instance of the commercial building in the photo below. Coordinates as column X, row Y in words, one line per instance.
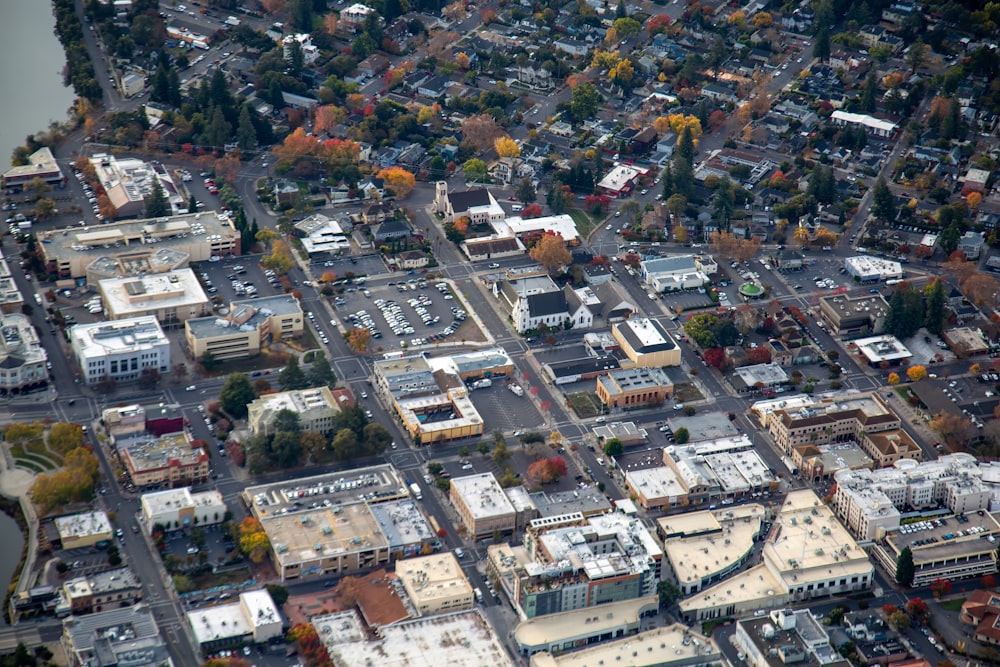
column 966, row 341
column 482, row 505
column 250, row 326
column 627, row 432
column 836, row 419
column 786, row 636
column 673, row 646
column 22, row 358
column 98, row 592
column 129, row 182
column 124, row 420
column 11, row 299
column 173, row 459
column 870, row 502
column 674, row 273
column 171, row 297
column 808, row 555
column 435, row 584
column 120, row 350
column 322, row 235
column 850, row 316
column 646, row 343
column 317, row 408
column 41, row 164
column 564, row 632
column 620, row 181
column 634, row 388
column 126, row 636
column 704, row 547
column 490, row 363
column 759, row 377
column 883, row 350
column 253, row 619
column 866, row 269
column 820, row 462
column 83, row 530
column 138, row 247
column 179, row 509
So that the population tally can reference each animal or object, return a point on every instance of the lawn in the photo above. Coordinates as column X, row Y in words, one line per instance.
column 210, row 579
column 585, row 404
column 954, row 604
column 684, row 393
column 584, row 222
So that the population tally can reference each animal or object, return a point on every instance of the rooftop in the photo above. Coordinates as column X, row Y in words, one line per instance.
column 121, row 337
column 674, row 644
column 85, row 524
column 658, row 482
column 867, row 266
column 644, row 335
column 161, row 291
column 372, row 484
column 635, row 379
column 699, row 544
column 483, row 495
column 323, row 532
column 765, row 374
column 171, row 500
column 402, row 523
column 433, row 577
column 147, row 452
column 570, row 625
column 882, row 348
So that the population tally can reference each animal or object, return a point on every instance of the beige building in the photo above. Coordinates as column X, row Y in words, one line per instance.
column 861, row 315
column 646, row 343
column 482, row 505
column 83, row 530
column 673, row 646
column 22, row 357
column 138, row 247
column 831, row 420
column 172, row 460
column 177, row 509
column 110, row 589
column 124, row 420
column 249, row 327
column 634, row 387
column 171, row 297
column 316, row 408
column 436, row 584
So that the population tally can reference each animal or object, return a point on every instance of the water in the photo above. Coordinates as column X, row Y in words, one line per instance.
column 29, row 52
column 10, row 551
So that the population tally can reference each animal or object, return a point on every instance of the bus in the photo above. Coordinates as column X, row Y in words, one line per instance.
column 434, row 524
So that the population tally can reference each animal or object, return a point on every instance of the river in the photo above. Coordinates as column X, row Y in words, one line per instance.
column 10, row 551
column 31, row 65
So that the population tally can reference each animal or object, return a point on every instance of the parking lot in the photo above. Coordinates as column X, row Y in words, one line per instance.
column 688, row 300
column 240, row 278
column 501, row 409
column 359, row 265
column 926, row 350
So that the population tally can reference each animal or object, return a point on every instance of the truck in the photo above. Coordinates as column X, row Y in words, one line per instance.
column 515, row 389
column 232, row 20
column 198, row 44
column 485, row 383
column 415, row 490
column 479, row 595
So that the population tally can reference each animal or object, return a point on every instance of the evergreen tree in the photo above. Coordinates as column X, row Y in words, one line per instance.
column 320, row 372
column 668, row 182
column 868, row 92
column 621, row 11
column 275, row 95
column 821, row 49
column 161, row 85
column 192, row 205
column 246, row 134
column 883, row 202
column 292, row 376
column 894, row 317
column 526, row 191
column 934, row 307
column 685, row 145
column 218, row 91
column 904, row 567
column 174, row 88
column 599, row 165
column 218, row 131
column 157, row 205
column 554, row 198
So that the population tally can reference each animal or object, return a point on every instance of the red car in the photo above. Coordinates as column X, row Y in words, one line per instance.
column 213, row 191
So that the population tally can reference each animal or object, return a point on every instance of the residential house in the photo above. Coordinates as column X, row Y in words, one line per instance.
column 434, row 87
column 412, row 259
column 379, row 212
column 373, row 65
column 391, row 230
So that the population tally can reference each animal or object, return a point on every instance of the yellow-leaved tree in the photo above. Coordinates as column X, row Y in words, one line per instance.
column 506, row 147
column 399, row 180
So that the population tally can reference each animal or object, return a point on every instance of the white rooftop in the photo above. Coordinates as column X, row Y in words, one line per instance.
column 119, row 337
column 83, row 525
column 660, row 482
column 219, row 622
column 560, row 224
column 882, row 348
column 483, row 495
column 161, row 291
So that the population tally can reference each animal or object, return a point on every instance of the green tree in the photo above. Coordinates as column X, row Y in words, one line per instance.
column 701, row 329
column 218, row 131
column 286, row 420
column 681, row 435
column 474, row 170
column 883, row 201
column 668, row 593
column 320, row 372
column 584, row 102
column 869, row 92
column 236, row 394
column 377, row 438
column 286, row 450
column 614, row 447
column 904, row 567
column 246, row 133
column 292, row 376
column 278, row 593
column 821, row 49
column 526, row 191
column 345, row 444
column 157, row 205
column 934, row 295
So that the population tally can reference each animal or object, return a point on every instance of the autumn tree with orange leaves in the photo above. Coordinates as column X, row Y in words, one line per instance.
column 399, row 180
column 547, row 471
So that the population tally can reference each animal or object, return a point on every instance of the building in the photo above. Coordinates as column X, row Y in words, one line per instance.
column 253, row 619
column 870, row 502
column 83, row 530
column 124, row 420
column 477, row 204
column 11, row 299
column 837, row 419
column 881, row 351
column 536, row 301
column 128, row 182
column 808, row 554
column 131, row 84
column 179, row 509
column 435, row 584
column 171, row 297
column 482, row 506
column 982, row 610
column 673, row 646
column 971, row 244
column 625, row 432
column 99, row 592
column 674, row 273
column 41, row 164
column 646, row 343
column 355, row 15
column 561, row 225
column 544, row 636
column 322, row 235
column 704, row 547
column 866, row 269
column 171, row 460
column 872, row 125
column 488, row 363
column 138, row 247
column 850, row 316
column 785, row 637
column 250, row 326
column 965, row 341
column 23, row 360
column 126, row 636
column 620, row 181
column 638, row 387
column 120, row 350
column 820, row 462
column 317, row 408
column 975, row 179
column 309, row 50
column 759, row 377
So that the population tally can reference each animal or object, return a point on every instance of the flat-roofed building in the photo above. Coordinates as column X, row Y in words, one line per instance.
column 634, row 387
column 482, row 505
column 674, row 273
column 559, row 632
column 180, row 509
column 97, row 592
column 405, row 377
column 317, row 408
column 250, row 325
column 965, row 341
column 126, row 636
column 41, row 164
column 724, row 469
column 672, row 646
column 785, row 637
column 868, row 269
column 440, row 418
column 173, row 459
column 435, row 584
column 646, row 343
column 120, row 421
column 482, row 364
column 587, row 500
column 656, row 487
column 253, row 619
column 759, row 377
column 83, row 530
column 23, row 359
column 120, row 350
column 128, row 182
column 138, row 247
column 808, row 554
column 858, row 315
column 703, row 425
column 820, row 462
column 704, row 547
column 627, row 432
column 11, row 299
column 169, row 297
column 836, row 419
column 882, row 350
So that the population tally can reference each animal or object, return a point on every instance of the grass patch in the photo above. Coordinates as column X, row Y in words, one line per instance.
column 45, row 462
column 585, row 404
column 954, row 604
column 686, row 392
column 708, row 626
column 212, row 579
column 584, row 222
column 30, row 465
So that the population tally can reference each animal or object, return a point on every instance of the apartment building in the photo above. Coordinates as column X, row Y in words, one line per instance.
column 173, row 459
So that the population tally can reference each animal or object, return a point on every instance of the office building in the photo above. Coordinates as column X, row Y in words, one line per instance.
column 435, row 584
column 23, row 360
column 317, row 408
column 566, row 631
column 173, row 459
column 836, row 419
column 82, row 530
column 881, row 351
column 120, row 350
column 482, row 505
column 857, row 315
column 250, row 326
column 180, row 509
column 99, row 592
column 253, row 619
column 673, row 646
column 675, row 273
column 758, row 378
column 126, row 636
column 866, row 269
column 171, row 297
column 41, row 165
column 646, row 343
column 634, row 387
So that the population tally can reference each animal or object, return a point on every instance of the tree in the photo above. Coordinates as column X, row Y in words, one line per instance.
column 904, row 567
column 668, row 593
column 480, row 131
column 344, row 444
column 474, row 170
column 954, row 430
column 546, row 471
column 157, row 205
column 681, row 435
column 292, row 376
column 900, row 620
column 72, row 483
column 358, row 339
column 506, row 147
column 934, row 306
column 916, row 373
column 893, row 379
column 614, row 447
column 321, row 373
column 246, row 133
column 286, row 449
column 278, row 593
column 584, row 102
column 883, row 201
column 402, row 181
column 821, row 49
column 550, row 251
column 376, row 439
column 280, row 260
column 45, row 208
column 253, row 539
column 526, row 191
column 236, row 394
